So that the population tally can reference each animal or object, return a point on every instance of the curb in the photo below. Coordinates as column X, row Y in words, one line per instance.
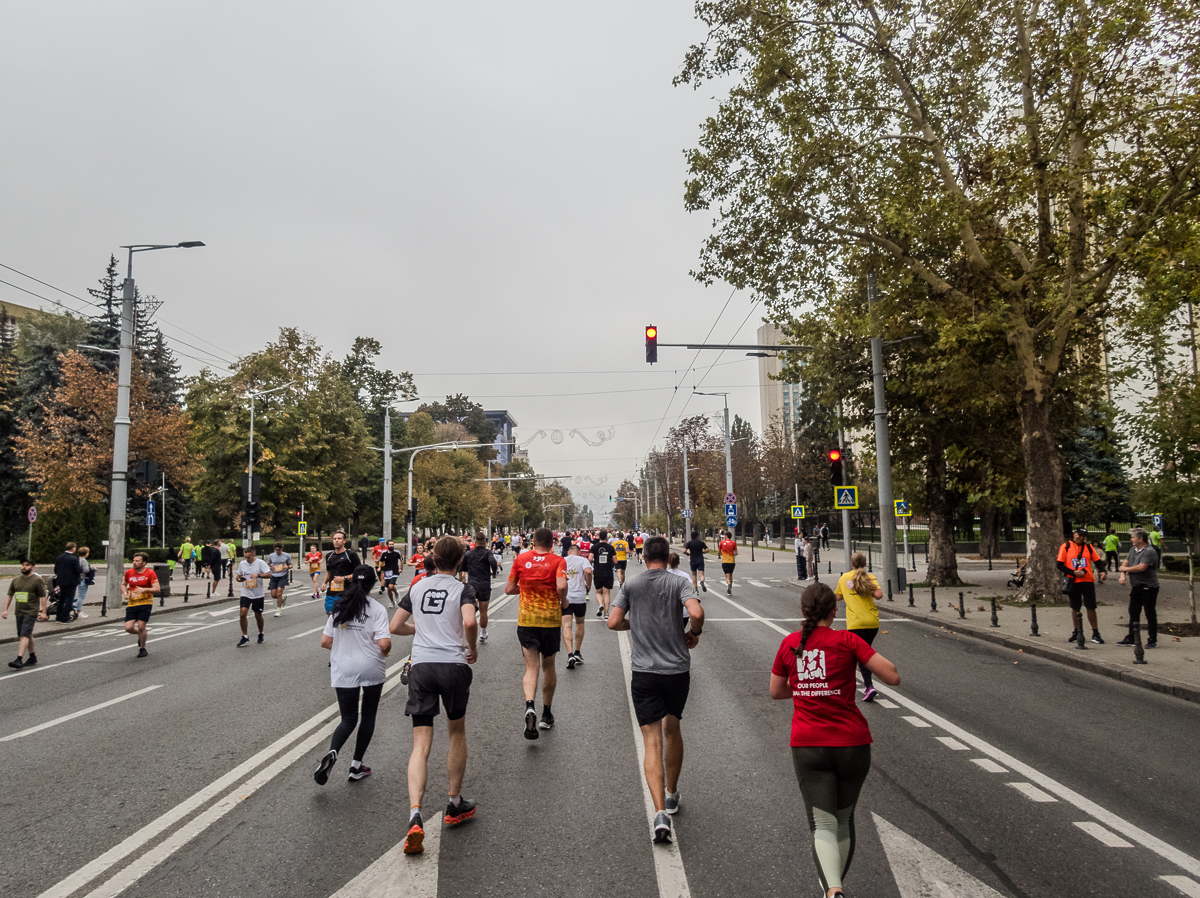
column 1030, row 647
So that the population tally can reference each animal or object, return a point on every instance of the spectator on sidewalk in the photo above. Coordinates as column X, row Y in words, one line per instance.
column 801, row 555
column 1077, row 559
column 66, row 581
column 87, row 577
column 1141, row 564
column 1112, row 543
column 824, row 536
column 28, row 591
column 811, row 555
column 185, row 556
column 1156, row 540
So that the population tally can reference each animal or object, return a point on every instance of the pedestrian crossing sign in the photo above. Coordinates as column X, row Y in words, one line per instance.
column 845, row 497
column 903, row 509
column 798, row 512
column 302, row 528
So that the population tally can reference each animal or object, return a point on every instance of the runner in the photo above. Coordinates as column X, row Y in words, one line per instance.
column 621, row 553
column 696, row 547
column 651, row 608
column 579, row 584
column 377, row 553
column 138, row 588
column 831, row 742
column 728, row 549
column 639, row 542
column 27, row 591
column 477, row 568
column 603, row 561
column 339, row 564
column 225, row 551
column 280, row 563
column 859, row 590
column 314, row 569
column 250, row 573
column 567, row 540
column 391, row 561
column 442, row 648
column 358, row 640
column 539, row 577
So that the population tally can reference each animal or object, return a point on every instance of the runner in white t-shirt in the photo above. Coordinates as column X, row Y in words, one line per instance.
column 357, row 636
column 579, row 584
column 251, row 572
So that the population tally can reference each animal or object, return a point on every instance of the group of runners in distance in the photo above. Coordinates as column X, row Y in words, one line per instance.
column 444, row 609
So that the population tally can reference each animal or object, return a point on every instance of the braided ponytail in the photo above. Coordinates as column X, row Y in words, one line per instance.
column 817, row 602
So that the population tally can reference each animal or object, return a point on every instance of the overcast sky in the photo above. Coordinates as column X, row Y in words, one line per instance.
column 491, row 189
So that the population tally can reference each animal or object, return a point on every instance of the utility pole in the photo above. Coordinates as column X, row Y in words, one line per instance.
column 845, row 511
column 687, row 499
column 387, row 473
column 728, row 454
column 883, row 452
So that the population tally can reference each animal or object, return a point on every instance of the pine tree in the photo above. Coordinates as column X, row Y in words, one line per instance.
column 12, row 485
column 104, row 328
column 1095, row 488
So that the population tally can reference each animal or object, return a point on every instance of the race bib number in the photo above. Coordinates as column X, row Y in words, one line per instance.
column 278, row 567
column 314, row 566
column 21, row 596
column 389, row 575
column 251, row 582
column 338, row 584
column 603, row 558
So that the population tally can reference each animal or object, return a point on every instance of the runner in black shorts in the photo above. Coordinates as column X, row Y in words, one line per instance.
column 251, row 572
column 696, row 548
column 539, row 577
column 603, row 565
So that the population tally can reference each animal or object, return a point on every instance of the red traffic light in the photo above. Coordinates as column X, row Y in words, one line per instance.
column 651, row 344
column 835, row 454
column 651, row 332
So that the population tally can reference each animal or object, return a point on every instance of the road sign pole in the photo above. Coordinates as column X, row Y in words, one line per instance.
column 845, row 511
column 686, row 497
column 883, row 452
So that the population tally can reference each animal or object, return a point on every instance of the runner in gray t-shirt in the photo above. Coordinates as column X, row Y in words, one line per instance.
column 650, row 608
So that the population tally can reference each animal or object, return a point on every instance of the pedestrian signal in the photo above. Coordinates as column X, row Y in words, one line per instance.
column 651, row 344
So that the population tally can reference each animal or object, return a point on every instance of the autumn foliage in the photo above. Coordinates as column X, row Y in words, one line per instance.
column 69, row 455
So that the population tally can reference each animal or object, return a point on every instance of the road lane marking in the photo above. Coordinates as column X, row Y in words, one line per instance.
column 1109, row 838
column 884, row 703
column 400, row 875
column 1032, row 792
column 989, row 765
column 759, row 585
column 668, row 862
column 151, row 832
column 123, row 648
column 921, row 872
column 1189, row 887
column 65, row 718
column 952, row 743
column 308, row 632
column 916, row 721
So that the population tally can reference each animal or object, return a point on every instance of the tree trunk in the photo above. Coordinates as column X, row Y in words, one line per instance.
column 989, row 529
column 943, row 563
column 1006, row 524
column 1043, row 494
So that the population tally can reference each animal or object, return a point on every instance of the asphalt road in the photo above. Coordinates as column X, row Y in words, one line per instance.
column 992, row 772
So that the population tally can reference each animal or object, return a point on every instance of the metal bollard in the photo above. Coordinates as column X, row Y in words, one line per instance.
column 995, row 617
column 913, row 557
column 185, row 593
column 962, row 607
column 208, row 590
column 830, row 571
column 1033, row 626
column 230, row 584
column 870, row 569
column 1139, row 653
column 989, row 558
column 911, row 603
column 1079, row 642
column 162, row 600
column 889, row 590
column 933, row 598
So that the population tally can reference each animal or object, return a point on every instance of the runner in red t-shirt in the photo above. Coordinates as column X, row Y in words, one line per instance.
column 728, row 549
column 139, row 588
column 831, row 742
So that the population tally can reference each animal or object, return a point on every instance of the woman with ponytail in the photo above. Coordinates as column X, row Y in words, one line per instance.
column 356, row 633
column 831, row 742
column 859, row 590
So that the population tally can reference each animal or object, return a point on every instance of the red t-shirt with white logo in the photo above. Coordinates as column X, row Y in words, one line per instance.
column 139, row 584
column 823, row 687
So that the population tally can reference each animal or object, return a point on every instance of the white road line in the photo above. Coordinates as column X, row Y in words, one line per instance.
column 400, row 875
column 1189, row 887
column 1109, row 838
column 1032, row 792
column 668, row 862
column 952, row 743
column 916, row 721
column 151, row 832
column 308, row 632
column 989, row 765
column 123, row 648
column 884, row 703
column 65, row 718
column 759, row 585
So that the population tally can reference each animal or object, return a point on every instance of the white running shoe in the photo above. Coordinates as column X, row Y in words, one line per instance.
column 483, row 634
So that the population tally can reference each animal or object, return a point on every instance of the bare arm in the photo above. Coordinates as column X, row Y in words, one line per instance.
column 326, row 641
column 471, row 631
column 617, row 619
column 779, row 687
column 561, row 583
column 401, row 623
column 695, row 622
column 512, row 588
column 385, row 646
column 884, row 669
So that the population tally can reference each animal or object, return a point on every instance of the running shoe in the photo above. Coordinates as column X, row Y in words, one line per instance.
column 547, row 720
column 142, row 653
column 869, row 694
column 458, row 814
column 260, row 638
column 1074, row 636
column 571, row 661
column 579, row 657
column 361, row 772
column 672, row 803
column 1096, row 638
column 483, row 634
column 405, row 669
column 600, row 611
column 1151, row 643
column 17, row 665
column 1128, row 640
column 322, row 773
column 414, row 842
column 79, row 614
column 31, row 660
column 729, row 590
column 245, row 640
column 702, row 586
column 531, row 730
column 662, row 827
column 279, row 613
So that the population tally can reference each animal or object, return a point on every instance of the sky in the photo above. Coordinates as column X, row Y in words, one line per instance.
column 493, row 190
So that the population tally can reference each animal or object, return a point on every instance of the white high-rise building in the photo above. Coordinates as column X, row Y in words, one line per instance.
column 778, row 400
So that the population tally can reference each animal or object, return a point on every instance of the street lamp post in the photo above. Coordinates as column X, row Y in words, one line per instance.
column 249, row 537
column 728, row 454
column 118, row 497
column 883, row 451
column 450, row 445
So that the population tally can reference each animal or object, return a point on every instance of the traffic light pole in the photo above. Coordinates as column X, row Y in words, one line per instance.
column 845, row 511
column 883, row 452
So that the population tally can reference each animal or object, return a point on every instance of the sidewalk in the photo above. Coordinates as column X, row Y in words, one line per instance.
column 1173, row 667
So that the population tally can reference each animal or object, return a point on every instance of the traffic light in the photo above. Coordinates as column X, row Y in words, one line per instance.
column 836, row 475
column 651, row 344
column 252, row 515
column 413, row 511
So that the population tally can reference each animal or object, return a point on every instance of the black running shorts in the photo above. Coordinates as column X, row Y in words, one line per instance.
column 602, row 579
column 697, row 565
column 1083, row 595
column 579, row 609
column 657, row 695
column 253, row 604
column 138, row 612
column 621, row 565
column 25, row 624
column 727, row 567
column 429, row 681
column 278, row 583
column 545, row 640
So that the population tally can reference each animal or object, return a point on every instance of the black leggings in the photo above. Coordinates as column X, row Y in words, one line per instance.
column 867, row 636
column 347, row 697
column 830, row 780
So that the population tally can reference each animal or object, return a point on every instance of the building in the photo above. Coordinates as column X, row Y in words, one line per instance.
column 505, row 423
column 778, row 400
